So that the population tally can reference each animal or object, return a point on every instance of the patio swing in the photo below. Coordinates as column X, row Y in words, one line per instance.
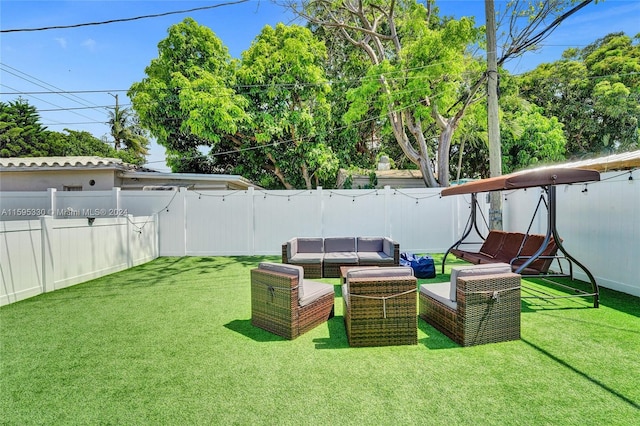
column 532, row 259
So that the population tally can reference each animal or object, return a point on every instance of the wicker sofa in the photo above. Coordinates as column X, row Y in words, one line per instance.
column 323, row 257
column 480, row 304
column 380, row 306
column 285, row 303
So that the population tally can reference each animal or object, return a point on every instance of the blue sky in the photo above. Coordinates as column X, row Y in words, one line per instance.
column 80, row 69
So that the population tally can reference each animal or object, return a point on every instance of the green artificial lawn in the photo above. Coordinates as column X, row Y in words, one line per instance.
column 171, row 342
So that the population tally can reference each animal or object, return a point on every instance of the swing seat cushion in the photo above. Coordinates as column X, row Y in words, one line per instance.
column 510, row 246
column 504, row 247
column 543, row 263
column 493, row 243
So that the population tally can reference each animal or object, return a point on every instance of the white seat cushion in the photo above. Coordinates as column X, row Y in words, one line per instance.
column 345, row 293
column 345, row 257
column 439, row 292
column 371, row 256
column 313, row 290
column 306, row 258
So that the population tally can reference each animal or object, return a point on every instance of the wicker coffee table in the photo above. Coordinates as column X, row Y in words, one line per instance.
column 344, row 270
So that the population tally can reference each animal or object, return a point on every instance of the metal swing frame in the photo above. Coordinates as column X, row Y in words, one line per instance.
column 548, row 184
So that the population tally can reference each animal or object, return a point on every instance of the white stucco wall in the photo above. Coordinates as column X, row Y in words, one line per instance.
column 40, row 180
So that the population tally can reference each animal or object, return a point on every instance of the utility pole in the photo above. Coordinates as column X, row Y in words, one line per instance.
column 116, row 113
column 493, row 119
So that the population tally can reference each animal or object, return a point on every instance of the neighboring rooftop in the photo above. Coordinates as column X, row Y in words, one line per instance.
column 40, row 173
column 79, row 162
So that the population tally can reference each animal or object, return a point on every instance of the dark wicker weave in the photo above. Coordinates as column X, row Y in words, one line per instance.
column 332, row 270
column 488, row 310
column 372, row 321
column 311, row 270
column 275, row 307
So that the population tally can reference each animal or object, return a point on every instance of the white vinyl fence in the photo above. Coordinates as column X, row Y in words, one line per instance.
column 598, row 222
column 47, row 254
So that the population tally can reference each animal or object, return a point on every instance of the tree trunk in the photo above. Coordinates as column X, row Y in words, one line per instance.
column 278, row 173
column 444, row 146
column 305, row 175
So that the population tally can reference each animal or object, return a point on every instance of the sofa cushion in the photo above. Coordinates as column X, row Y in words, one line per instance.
column 346, row 257
column 306, row 258
column 439, row 292
column 345, row 293
column 289, row 270
column 304, row 245
column 310, row 245
column 338, row 244
column 375, row 257
column 292, row 248
column 369, row 244
column 388, row 246
column 473, row 270
column 313, row 290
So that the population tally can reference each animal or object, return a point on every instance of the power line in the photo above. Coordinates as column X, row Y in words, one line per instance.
column 41, row 100
column 95, row 107
column 79, row 99
column 283, row 85
column 111, row 21
column 74, row 124
column 36, row 81
column 52, row 92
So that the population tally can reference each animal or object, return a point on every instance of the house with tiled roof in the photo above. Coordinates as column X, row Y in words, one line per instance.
column 102, row 174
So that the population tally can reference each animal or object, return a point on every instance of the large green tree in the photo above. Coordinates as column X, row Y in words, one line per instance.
column 22, row 135
column 418, row 69
column 528, row 137
column 127, row 134
column 594, row 92
column 264, row 117
column 358, row 144
column 283, row 78
column 188, row 101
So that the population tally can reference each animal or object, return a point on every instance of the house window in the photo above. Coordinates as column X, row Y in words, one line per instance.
column 72, row 188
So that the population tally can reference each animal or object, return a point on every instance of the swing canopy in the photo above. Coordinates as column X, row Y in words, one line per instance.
column 526, row 179
column 528, row 250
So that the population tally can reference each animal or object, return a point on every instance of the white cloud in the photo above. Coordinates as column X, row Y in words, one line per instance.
column 61, row 41
column 89, row 44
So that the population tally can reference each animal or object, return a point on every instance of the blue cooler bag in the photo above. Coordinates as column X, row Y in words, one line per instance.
column 423, row 267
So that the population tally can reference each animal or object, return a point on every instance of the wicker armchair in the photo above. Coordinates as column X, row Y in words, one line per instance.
column 486, row 307
column 284, row 303
column 380, row 307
